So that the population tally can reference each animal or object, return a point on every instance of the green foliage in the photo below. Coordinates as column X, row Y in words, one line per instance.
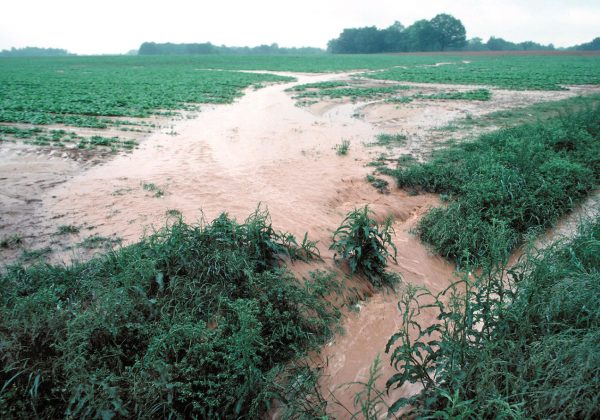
column 317, row 85
column 535, row 112
column 506, row 72
column 67, row 229
column 353, row 93
column 441, row 32
column 449, row 31
column 13, row 241
column 470, row 95
column 506, row 184
column 192, row 322
column 342, row 148
column 152, row 48
column 153, row 188
column 389, row 140
column 366, row 245
column 97, row 241
column 369, row 402
column 79, row 91
column 34, row 255
column 378, row 183
column 521, row 343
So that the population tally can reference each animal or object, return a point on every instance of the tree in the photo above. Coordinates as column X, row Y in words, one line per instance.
column 422, row 36
column 394, row 38
column 499, row 44
column 358, row 40
column 450, row 31
column 475, row 44
column 593, row 45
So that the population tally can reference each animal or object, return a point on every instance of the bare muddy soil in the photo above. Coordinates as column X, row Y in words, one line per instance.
column 261, row 149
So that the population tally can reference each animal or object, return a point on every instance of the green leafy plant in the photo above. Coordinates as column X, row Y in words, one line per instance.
column 67, row 229
column 342, row 148
column 13, row 241
column 380, row 184
column 152, row 187
column 366, row 245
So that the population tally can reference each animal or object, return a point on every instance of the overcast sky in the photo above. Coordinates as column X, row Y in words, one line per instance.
column 116, row 26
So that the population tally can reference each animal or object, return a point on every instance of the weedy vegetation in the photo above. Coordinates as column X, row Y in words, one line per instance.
column 67, row 230
column 193, row 321
column 379, row 184
column 389, row 140
column 342, row 148
column 469, row 95
column 98, row 241
column 153, row 188
column 517, row 343
column 366, row 245
column 353, row 92
column 11, row 242
column 506, row 185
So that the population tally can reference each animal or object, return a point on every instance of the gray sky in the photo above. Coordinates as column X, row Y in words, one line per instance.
column 116, row 26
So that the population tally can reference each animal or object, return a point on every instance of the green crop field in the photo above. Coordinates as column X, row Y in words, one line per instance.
column 506, row 72
column 84, row 91
column 92, row 91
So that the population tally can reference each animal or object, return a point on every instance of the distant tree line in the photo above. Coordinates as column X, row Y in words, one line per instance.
column 152, row 48
column 34, row 52
column 442, row 33
column 593, row 45
column 499, row 44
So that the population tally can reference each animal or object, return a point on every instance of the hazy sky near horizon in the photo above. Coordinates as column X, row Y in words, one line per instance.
column 112, row 26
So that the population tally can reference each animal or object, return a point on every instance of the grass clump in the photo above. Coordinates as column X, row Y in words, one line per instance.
column 194, row 321
column 469, row 95
column 366, row 245
column 67, row 230
column 521, row 343
column 153, row 188
column 506, row 185
column 32, row 255
column 97, row 241
column 379, row 184
column 342, row 148
column 389, row 140
column 11, row 242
